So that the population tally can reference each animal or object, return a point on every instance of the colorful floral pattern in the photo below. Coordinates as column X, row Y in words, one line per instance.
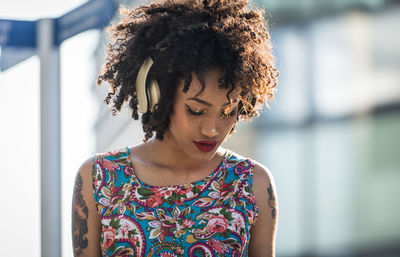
column 210, row 217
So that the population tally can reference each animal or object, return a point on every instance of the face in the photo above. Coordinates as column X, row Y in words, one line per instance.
column 199, row 125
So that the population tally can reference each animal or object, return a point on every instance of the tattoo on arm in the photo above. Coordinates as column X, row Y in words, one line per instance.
column 79, row 219
column 271, row 201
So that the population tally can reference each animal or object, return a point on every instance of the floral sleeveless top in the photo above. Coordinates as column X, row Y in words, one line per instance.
column 209, row 217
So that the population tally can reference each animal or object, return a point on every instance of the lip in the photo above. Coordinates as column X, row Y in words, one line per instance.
column 205, row 145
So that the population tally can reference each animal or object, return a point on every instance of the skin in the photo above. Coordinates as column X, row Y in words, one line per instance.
column 177, row 160
column 79, row 216
column 86, row 225
column 263, row 233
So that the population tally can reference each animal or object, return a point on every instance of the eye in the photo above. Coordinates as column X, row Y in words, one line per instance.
column 189, row 110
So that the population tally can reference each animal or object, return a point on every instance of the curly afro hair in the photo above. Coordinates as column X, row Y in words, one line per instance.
column 185, row 36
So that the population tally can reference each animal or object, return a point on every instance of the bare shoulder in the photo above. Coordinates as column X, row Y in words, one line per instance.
column 263, row 179
column 84, row 177
column 262, row 173
column 86, row 168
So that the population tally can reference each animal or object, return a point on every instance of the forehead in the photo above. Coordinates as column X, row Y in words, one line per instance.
column 211, row 87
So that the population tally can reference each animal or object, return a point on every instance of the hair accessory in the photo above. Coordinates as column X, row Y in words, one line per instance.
column 148, row 94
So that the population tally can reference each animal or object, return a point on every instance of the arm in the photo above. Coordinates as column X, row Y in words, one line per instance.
column 86, row 225
column 263, row 233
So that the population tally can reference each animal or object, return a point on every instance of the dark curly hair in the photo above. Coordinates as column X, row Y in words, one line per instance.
column 185, row 36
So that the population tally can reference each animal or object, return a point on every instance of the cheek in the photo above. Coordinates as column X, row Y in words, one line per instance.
column 227, row 124
column 183, row 123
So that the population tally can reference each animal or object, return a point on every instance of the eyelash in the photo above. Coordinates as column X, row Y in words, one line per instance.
column 193, row 112
column 190, row 111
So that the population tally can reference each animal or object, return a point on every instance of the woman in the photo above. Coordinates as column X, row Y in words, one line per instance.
column 192, row 69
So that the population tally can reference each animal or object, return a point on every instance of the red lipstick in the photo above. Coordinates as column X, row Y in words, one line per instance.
column 205, row 145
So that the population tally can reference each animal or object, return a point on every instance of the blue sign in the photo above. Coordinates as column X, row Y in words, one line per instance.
column 11, row 56
column 17, row 42
column 91, row 15
column 18, row 38
column 16, row 33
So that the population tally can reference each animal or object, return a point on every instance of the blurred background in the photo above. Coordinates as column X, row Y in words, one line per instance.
column 331, row 138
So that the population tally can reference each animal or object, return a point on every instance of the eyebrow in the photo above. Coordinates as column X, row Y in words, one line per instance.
column 199, row 101
column 204, row 102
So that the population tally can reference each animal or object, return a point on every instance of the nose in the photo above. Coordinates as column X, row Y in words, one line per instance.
column 209, row 128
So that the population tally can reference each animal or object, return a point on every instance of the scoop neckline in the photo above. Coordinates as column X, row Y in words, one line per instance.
column 186, row 185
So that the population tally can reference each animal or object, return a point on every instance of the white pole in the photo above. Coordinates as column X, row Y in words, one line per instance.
column 50, row 142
